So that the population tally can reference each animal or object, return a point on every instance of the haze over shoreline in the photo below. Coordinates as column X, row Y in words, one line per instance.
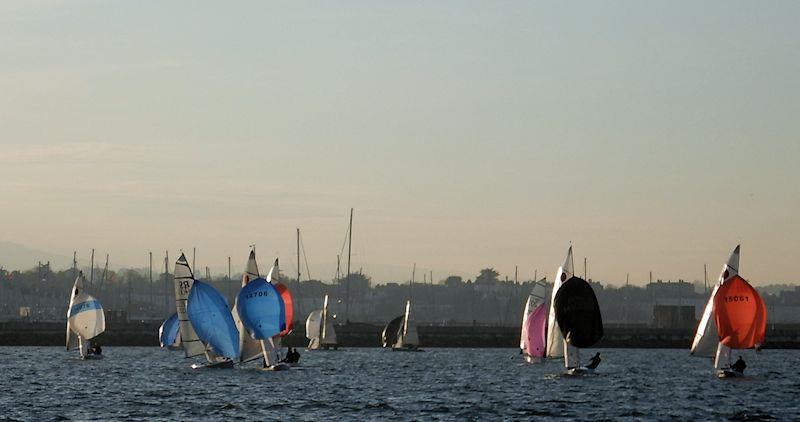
column 465, row 135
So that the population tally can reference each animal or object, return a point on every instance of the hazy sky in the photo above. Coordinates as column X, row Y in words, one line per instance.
column 654, row 136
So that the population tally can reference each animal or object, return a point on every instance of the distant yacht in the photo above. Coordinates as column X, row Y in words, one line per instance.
column 85, row 320
column 319, row 329
column 735, row 317
column 169, row 333
column 574, row 321
column 401, row 333
column 205, row 323
column 533, row 338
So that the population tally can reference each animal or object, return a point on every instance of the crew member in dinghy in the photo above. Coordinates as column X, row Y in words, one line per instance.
column 739, row 365
column 594, row 361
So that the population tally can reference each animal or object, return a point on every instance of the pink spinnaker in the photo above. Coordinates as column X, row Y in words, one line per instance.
column 536, row 331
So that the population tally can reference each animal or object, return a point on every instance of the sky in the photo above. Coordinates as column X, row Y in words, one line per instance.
column 653, row 136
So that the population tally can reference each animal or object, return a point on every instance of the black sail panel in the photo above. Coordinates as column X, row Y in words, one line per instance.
column 391, row 331
column 578, row 313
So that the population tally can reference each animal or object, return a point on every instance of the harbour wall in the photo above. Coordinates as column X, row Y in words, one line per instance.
column 21, row 333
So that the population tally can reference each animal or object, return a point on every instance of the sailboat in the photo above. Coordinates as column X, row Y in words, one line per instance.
column 575, row 314
column 250, row 348
column 533, row 338
column 288, row 310
column 735, row 317
column 401, row 333
column 319, row 329
column 262, row 312
column 205, row 330
column 169, row 333
column 85, row 320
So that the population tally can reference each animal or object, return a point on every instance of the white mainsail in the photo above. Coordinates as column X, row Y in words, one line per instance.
column 555, row 341
column 250, row 348
column 85, row 317
column 706, row 340
column 184, row 279
column 408, row 336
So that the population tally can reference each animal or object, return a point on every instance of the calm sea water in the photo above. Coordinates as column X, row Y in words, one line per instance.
column 48, row 383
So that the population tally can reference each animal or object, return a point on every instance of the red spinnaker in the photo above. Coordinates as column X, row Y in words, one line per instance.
column 287, row 301
column 740, row 313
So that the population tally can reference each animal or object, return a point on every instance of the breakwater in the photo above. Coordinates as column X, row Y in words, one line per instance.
column 21, row 333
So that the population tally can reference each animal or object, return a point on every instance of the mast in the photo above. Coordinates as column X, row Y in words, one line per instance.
column 91, row 271
column 584, row 269
column 166, row 281
column 194, row 253
column 411, row 283
column 229, row 277
column 74, row 264
column 298, row 254
column 516, row 274
column 705, row 278
column 349, row 250
column 105, row 270
column 151, row 278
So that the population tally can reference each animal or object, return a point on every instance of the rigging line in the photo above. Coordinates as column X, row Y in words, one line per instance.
column 305, row 257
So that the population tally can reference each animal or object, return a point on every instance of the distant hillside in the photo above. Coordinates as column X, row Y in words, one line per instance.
column 14, row 256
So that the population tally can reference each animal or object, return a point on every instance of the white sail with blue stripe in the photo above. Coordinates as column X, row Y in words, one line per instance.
column 85, row 317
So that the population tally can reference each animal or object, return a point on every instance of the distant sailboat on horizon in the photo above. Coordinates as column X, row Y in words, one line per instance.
column 735, row 317
column 574, row 321
column 533, row 338
column 401, row 333
column 319, row 329
column 85, row 320
column 205, row 324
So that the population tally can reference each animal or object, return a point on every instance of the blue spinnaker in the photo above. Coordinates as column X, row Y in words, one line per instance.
column 168, row 333
column 261, row 309
column 211, row 318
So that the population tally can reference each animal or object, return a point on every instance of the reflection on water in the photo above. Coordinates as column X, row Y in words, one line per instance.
column 48, row 383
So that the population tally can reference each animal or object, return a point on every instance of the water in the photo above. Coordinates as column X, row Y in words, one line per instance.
column 48, row 383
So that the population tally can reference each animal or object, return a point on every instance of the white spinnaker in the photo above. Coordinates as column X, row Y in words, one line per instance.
column 706, row 338
column 86, row 316
column 250, row 348
column 313, row 328
column 184, row 279
column 555, row 341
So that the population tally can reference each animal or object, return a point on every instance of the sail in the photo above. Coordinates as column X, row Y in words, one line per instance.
column 555, row 341
column 208, row 311
column 288, row 303
column 249, row 347
column 328, row 333
column 740, row 314
column 705, row 339
column 408, row 336
column 578, row 313
column 184, row 280
column 391, row 332
column 261, row 309
column 77, row 288
column 85, row 317
column 523, row 336
column 314, row 325
column 168, row 332
column 536, row 332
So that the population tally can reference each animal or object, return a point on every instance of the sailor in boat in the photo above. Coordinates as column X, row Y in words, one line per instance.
column 739, row 366
column 95, row 349
column 594, row 361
